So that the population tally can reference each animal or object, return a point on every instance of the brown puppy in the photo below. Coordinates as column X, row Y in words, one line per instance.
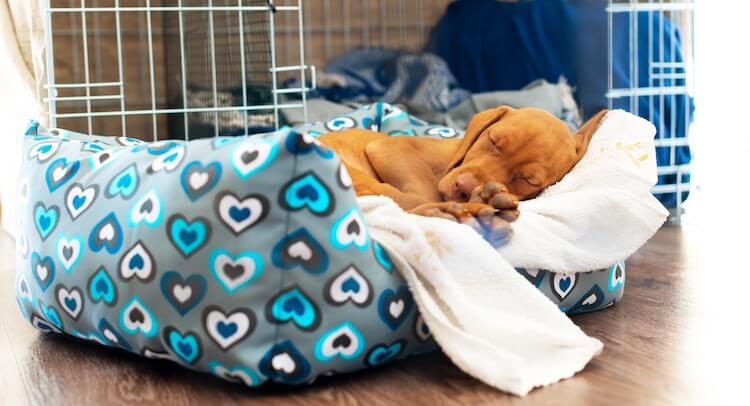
column 506, row 154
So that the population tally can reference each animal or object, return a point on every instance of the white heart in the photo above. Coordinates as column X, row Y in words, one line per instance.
column 229, row 201
column 149, row 217
column 198, row 180
column 396, row 308
column 109, row 335
column 283, row 362
column 41, row 272
column 590, row 300
column 182, row 293
column 107, row 232
column 74, row 245
column 247, row 264
column 77, row 191
column 300, row 250
column 337, row 293
column 142, row 273
column 63, row 294
column 262, row 148
column 59, row 173
column 214, row 317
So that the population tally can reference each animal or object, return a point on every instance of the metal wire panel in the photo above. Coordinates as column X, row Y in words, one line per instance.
column 666, row 90
column 157, row 68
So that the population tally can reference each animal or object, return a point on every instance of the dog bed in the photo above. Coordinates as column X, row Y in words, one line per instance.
column 244, row 257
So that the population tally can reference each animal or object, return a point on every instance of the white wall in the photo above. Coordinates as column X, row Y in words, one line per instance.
column 17, row 107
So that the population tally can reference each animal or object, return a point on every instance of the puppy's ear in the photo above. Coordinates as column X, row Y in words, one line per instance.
column 480, row 122
column 584, row 134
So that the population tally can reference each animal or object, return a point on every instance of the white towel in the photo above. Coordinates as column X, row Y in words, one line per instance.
column 485, row 316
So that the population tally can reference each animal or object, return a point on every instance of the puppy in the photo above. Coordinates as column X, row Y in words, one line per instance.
column 506, row 155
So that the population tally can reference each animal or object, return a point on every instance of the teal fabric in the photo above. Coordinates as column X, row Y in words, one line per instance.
column 243, row 257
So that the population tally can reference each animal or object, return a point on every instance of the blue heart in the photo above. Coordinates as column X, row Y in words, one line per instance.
column 51, row 315
column 350, row 285
column 101, row 288
column 382, row 257
column 44, row 149
column 239, row 215
column 45, row 219
column 71, row 171
column 339, row 122
column 380, row 354
column 292, row 304
column 79, row 201
column 136, row 262
column 565, row 283
column 226, row 329
column 188, row 237
column 171, row 157
column 124, row 184
column 186, row 346
column 71, row 303
column 384, row 303
column 48, row 264
column 307, row 190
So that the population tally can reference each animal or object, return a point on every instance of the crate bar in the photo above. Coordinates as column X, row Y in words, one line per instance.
column 120, row 74
column 300, row 90
column 152, row 77
column 274, row 84
column 665, row 189
column 365, row 22
column 165, row 8
column 383, row 19
column 212, row 50
column 610, row 52
column 80, row 85
column 241, row 22
column 675, row 65
column 630, row 7
column 646, row 91
column 183, row 69
column 86, row 73
column 327, row 37
column 51, row 92
column 302, row 66
column 83, row 98
column 176, row 111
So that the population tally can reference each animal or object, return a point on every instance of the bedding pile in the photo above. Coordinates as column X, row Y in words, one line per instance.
column 506, row 333
column 252, row 258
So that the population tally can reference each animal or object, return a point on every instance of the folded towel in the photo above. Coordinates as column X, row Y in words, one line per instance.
column 485, row 316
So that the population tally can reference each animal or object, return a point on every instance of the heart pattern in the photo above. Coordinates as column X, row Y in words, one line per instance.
column 124, row 184
column 226, row 329
column 340, row 124
column 350, row 230
column 292, row 304
column 394, row 306
column 267, row 271
column 239, row 215
column 383, row 353
column 183, row 293
column 106, row 235
column 563, row 284
column 135, row 317
column 43, row 269
column 69, row 251
column 101, row 288
column 78, row 199
column 198, row 179
column 45, row 219
column 234, row 272
column 138, row 263
column 307, row 191
column 148, row 210
column 343, row 341
column 237, row 374
column 186, row 346
column 59, row 172
column 71, row 301
column 349, row 285
column 188, row 236
column 284, row 363
column 250, row 158
column 300, row 248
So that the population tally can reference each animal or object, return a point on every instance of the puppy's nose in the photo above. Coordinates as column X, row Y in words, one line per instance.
column 465, row 184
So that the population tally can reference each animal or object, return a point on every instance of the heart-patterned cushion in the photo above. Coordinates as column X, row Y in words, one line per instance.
column 247, row 258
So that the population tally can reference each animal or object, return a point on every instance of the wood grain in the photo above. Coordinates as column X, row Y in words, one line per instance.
column 672, row 340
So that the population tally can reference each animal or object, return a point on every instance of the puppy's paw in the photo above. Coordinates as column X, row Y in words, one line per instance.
column 498, row 197
column 483, row 218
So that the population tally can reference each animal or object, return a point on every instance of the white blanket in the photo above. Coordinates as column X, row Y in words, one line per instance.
column 485, row 316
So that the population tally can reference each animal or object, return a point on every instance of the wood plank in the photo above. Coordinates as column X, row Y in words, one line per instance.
column 665, row 343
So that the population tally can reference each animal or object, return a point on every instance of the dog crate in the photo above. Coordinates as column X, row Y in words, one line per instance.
column 158, row 69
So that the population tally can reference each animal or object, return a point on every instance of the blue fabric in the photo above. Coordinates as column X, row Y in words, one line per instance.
column 421, row 81
column 491, row 46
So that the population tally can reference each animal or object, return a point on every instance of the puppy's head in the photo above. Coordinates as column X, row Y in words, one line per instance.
column 525, row 149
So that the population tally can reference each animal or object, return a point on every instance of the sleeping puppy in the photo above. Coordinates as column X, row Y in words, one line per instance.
column 506, row 155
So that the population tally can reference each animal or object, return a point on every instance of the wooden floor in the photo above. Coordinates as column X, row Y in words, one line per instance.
column 676, row 338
